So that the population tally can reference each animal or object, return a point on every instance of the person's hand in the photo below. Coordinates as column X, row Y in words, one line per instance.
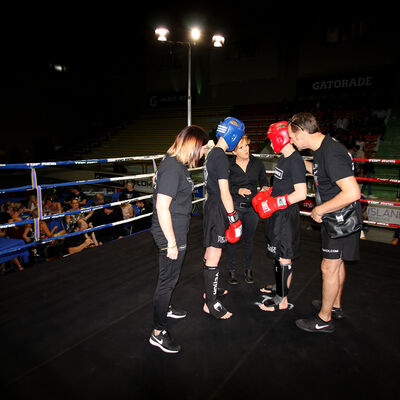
column 88, row 242
column 172, row 251
column 244, row 192
column 316, row 215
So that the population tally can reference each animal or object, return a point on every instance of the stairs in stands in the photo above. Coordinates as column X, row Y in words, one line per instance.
column 389, row 148
column 154, row 132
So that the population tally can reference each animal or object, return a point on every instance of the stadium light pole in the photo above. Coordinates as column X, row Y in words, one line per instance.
column 218, row 41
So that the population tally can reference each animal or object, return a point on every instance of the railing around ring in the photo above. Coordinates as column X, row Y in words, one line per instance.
column 35, row 186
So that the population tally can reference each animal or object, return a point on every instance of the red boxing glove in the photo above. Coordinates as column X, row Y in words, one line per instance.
column 272, row 204
column 260, row 198
column 234, row 232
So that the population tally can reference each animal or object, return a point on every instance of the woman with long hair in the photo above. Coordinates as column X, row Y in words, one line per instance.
column 172, row 201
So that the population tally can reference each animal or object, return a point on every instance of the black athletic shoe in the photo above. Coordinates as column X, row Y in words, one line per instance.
column 164, row 342
column 315, row 324
column 175, row 313
column 337, row 312
column 248, row 276
column 232, row 278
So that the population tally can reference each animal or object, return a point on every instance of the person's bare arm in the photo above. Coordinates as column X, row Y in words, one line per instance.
column 226, row 195
column 349, row 192
column 299, row 194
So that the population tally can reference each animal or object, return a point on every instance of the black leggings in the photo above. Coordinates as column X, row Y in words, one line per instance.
column 167, row 279
column 249, row 220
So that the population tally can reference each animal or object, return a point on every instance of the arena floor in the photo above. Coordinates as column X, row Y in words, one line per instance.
column 78, row 328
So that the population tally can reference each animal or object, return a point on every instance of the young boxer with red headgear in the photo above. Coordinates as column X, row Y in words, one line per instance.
column 279, row 206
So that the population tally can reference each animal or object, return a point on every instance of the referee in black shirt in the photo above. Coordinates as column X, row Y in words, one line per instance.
column 247, row 173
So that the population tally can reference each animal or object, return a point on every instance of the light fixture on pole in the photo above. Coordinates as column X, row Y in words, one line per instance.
column 218, row 41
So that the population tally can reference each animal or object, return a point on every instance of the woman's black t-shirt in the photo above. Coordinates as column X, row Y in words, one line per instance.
column 173, row 180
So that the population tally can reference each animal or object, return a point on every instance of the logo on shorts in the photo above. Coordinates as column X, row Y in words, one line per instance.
column 330, row 250
column 221, row 239
column 271, row 249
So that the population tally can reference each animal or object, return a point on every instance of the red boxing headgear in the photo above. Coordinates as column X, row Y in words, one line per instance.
column 279, row 136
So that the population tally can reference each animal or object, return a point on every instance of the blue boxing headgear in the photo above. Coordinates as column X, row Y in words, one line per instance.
column 232, row 130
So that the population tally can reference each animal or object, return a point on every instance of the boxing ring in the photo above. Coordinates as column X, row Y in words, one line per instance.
column 78, row 326
column 39, row 188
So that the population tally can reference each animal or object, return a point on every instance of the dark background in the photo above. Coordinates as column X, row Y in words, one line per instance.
column 112, row 64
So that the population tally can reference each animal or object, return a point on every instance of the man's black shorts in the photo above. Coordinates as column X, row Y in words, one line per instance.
column 346, row 248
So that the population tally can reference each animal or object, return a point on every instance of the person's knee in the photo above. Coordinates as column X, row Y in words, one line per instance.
column 330, row 267
column 212, row 256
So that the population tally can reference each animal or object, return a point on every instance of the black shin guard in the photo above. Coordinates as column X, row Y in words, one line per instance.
column 282, row 275
column 215, row 307
column 211, row 282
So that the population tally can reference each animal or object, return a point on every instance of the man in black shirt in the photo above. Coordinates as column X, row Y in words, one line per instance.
column 75, row 193
column 333, row 170
column 76, row 243
column 104, row 216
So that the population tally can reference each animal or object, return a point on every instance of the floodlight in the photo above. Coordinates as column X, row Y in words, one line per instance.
column 196, row 34
column 162, row 34
column 218, row 40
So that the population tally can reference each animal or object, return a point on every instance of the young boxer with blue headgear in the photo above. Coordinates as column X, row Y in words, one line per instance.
column 221, row 221
column 279, row 206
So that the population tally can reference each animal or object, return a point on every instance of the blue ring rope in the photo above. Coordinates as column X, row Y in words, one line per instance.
column 39, row 188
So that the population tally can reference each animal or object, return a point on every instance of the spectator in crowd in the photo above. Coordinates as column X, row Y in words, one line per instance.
column 98, row 200
column 368, row 171
column 16, row 212
column 51, row 205
column 76, row 243
column 358, row 164
column 73, row 218
column 6, row 212
column 75, row 193
column 127, row 212
column 129, row 191
column 342, row 124
column 105, row 216
column 45, row 232
column 32, row 203
column 396, row 235
column 360, row 142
